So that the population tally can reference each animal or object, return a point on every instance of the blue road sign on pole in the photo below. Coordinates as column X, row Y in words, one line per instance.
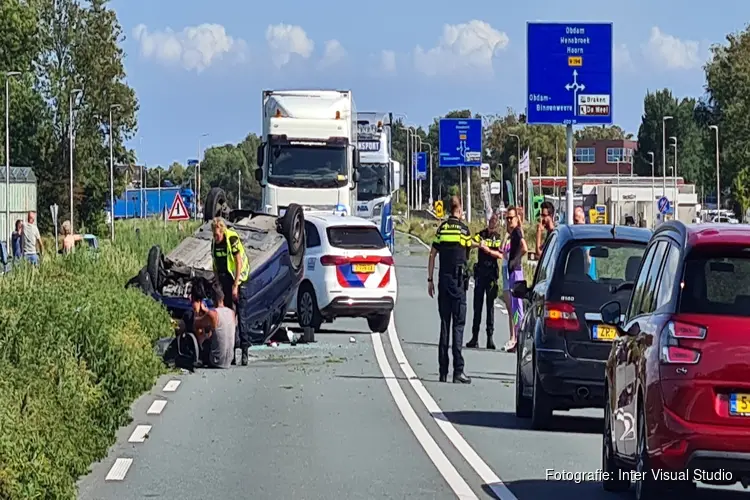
column 663, row 205
column 460, row 142
column 569, row 73
column 421, row 166
column 192, row 163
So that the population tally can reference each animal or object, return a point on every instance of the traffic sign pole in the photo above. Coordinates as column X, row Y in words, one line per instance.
column 569, row 180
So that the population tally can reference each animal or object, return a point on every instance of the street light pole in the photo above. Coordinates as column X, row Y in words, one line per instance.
column 653, row 188
column 112, row 174
column 502, row 181
column 617, row 205
column 539, row 174
column 429, row 147
column 518, row 168
column 73, row 94
column 715, row 128
column 8, row 76
column 407, row 170
column 198, row 175
column 674, row 176
column 664, row 152
column 418, row 184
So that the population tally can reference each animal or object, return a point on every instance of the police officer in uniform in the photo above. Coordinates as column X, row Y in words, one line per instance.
column 486, row 276
column 232, row 270
column 453, row 242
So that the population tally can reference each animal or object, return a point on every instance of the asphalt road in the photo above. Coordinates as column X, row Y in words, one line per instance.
column 354, row 415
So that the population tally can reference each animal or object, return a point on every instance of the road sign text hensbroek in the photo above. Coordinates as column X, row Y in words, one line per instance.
column 460, row 142
column 569, row 73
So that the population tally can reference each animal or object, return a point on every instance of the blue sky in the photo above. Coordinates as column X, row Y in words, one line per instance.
column 199, row 67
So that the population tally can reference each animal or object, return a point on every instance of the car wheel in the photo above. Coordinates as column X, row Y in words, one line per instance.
column 155, row 267
column 379, row 323
column 216, row 204
column 646, row 486
column 541, row 407
column 612, row 480
column 308, row 314
column 523, row 404
column 293, row 228
column 144, row 282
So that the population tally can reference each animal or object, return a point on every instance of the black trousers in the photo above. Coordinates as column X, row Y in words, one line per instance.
column 485, row 291
column 242, row 337
column 452, row 309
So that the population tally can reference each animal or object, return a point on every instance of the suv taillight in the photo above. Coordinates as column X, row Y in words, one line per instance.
column 671, row 349
column 560, row 316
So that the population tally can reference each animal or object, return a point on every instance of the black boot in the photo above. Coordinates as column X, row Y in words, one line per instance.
column 474, row 342
column 443, row 378
column 461, row 378
column 244, row 356
column 490, row 343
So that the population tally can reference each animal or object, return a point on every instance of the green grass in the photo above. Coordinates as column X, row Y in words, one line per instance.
column 76, row 349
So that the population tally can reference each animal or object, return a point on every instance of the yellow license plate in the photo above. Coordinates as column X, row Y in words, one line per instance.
column 739, row 405
column 363, row 268
column 605, row 332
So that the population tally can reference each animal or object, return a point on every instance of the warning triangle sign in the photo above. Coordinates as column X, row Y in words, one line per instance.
column 178, row 210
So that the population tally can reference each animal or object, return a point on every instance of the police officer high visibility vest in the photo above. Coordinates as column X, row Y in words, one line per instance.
column 227, row 254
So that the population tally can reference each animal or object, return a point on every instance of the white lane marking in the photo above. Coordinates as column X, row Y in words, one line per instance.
column 140, row 433
column 472, row 458
column 157, row 407
column 444, row 466
column 119, row 469
column 172, row 385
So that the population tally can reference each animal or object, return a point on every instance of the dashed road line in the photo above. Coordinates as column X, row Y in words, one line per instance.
column 172, row 385
column 483, row 470
column 140, row 433
column 156, row 407
column 457, row 483
column 119, row 469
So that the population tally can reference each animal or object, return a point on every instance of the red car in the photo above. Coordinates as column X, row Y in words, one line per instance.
column 677, row 401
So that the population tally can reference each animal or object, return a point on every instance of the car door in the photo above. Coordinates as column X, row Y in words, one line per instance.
column 313, row 249
column 534, row 305
column 637, row 332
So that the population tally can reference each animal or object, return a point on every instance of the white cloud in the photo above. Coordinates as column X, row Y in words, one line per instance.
column 470, row 46
column 388, row 61
column 334, row 52
column 670, row 52
column 284, row 40
column 623, row 60
column 195, row 48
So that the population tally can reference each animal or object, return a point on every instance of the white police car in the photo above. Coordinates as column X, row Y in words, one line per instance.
column 349, row 272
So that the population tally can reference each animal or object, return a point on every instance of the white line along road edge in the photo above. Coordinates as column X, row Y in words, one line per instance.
column 444, row 466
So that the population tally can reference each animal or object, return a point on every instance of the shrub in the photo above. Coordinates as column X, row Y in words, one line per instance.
column 76, row 349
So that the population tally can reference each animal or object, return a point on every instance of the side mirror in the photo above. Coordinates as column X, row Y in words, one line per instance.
column 355, row 176
column 259, row 175
column 520, row 290
column 259, row 154
column 611, row 313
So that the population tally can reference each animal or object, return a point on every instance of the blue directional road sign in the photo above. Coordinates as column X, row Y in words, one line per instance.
column 569, row 73
column 192, row 163
column 663, row 205
column 460, row 142
column 421, row 166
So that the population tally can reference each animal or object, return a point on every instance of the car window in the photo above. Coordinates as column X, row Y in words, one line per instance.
column 355, row 237
column 312, row 237
column 543, row 267
column 665, row 287
column 649, row 290
column 640, row 282
column 717, row 281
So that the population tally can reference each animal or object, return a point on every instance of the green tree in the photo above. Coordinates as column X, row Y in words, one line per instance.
column 602, row 133
column 741, row 191
column 226, row 166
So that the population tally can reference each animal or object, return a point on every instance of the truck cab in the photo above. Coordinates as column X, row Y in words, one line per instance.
column 308, row 153
column 379, row 173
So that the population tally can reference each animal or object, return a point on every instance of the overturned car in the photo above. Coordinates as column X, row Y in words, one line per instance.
column 274, row 245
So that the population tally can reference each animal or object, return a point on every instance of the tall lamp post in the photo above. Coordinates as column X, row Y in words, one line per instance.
column 653, row 187
column 8, row 76
column 674, row 176
column 518, row 168
column 73, row 95
column 429, row 147
column 664, row 152
column 112, row 108
column 715, row 128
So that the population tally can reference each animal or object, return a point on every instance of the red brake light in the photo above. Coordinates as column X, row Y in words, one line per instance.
column 388, row 260
column 671, row 351
column 561, row 316
column 333, row 260
column 338, row 260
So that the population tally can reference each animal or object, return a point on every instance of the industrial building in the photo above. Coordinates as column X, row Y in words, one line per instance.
column 22, row 196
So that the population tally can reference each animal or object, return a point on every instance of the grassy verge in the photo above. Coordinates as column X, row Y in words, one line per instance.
column 76, row 349
column 425, row 231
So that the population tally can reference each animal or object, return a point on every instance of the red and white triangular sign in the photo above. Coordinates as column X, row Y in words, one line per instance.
column 179, row 210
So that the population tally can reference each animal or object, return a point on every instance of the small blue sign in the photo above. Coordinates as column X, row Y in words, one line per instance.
column 421, row 166
column 460, row 142
column 663, row 205
column 569, row 73
column 192, row 163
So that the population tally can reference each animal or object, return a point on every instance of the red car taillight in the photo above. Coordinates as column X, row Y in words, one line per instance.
column 333, row 260
column 671, row 349
column 560, row 316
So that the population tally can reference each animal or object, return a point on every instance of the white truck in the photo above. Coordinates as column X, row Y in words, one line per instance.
column 379, row 173
column 308, row 154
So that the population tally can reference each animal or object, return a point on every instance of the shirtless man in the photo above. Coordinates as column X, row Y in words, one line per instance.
column 214, row 327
